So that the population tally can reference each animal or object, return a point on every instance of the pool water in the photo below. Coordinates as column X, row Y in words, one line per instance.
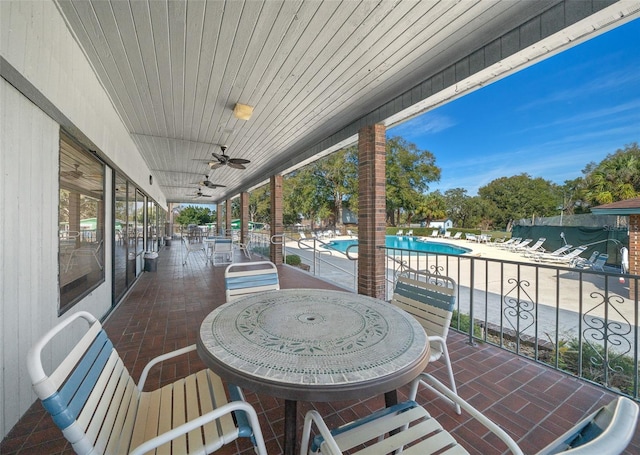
column 401, row 242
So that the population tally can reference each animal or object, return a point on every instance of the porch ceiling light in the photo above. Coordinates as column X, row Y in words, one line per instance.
column 242, row 111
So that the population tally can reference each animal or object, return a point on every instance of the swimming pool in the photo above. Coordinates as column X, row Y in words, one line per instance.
column 401, row 242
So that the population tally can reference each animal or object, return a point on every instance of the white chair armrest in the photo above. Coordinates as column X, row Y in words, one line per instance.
column 314, row 417
column 156, row 360
column 201, row 421
column 491, row 426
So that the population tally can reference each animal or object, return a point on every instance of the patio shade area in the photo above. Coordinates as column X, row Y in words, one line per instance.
column 163, row 312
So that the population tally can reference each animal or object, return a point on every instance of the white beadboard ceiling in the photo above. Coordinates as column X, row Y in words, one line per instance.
column 314, row 71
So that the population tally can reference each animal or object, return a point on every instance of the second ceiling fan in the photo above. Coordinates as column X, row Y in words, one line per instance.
column 208, row 183
column 226, row 160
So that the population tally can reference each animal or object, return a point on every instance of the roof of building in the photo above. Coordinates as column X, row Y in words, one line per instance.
column 624, row 207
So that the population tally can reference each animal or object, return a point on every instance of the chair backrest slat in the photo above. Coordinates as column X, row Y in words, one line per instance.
column 65, row 406
column 429, row 298
column 249, row 277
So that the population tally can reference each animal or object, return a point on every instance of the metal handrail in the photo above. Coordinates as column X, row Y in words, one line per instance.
column 317, row 257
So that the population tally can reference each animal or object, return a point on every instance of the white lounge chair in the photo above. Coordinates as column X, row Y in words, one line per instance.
column 457, row 235
column 508, row 243
column 592, row 263
column 519, row 245
column 446, row 235
column 400, row 232
column 409, row 428
column 565, row 259
column 555, row 253
column 434, row 233
column 532, row 249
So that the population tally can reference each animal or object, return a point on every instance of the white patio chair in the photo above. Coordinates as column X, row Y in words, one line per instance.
column 84, row 251
column 431, row 300
column 191, row 247
column 409, row 428
column 457, row 235
column 249, row 277
column 222, row 252
column 100, row 410
column 245, row 248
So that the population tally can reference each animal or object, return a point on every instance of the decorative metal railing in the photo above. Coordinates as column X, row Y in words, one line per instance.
column 577, row 320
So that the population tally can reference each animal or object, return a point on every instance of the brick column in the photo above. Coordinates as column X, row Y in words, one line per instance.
column 227, row 217
column 218, row 218
column 275, row 251
column 634, row 251
column 244, row 217
column 371, row 211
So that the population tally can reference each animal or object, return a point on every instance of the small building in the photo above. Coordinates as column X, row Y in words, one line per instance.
column 442, row 225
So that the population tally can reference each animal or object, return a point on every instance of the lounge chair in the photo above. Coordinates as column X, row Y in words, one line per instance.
column 409, row 233
column 566, row 259
column 471, row 237
column 510, row 242
column 530, row 250
column 592, row 263
column 518, row 246
column 457, row 235
column 434, row 233
column 447, row 235
column 408, row 427
column 400, row 232
column 555, row 253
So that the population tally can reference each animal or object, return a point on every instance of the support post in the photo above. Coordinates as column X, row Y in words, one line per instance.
column 275, row 251
column 371, row 211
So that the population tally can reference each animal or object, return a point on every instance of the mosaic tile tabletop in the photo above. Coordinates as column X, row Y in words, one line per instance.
column 304, row 336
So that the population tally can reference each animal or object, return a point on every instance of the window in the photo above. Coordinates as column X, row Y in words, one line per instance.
column 81, row 222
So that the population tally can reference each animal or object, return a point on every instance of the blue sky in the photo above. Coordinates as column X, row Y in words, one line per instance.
column 548, row 120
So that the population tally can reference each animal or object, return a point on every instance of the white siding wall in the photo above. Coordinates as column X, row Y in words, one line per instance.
column 53, row 72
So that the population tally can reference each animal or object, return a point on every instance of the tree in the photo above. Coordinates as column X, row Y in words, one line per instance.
column 456, row 202
column 260, row 205
column 408, row 173
column 615, row 178
column 432, row 207
column 195, row 215
column 520, row 196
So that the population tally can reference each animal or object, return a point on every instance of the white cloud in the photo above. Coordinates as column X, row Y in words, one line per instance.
column 429, row 123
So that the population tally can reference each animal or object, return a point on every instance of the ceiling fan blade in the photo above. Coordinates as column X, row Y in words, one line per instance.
column 236, row 165
column 214, row 165
column 238, row 161
column 220, row 158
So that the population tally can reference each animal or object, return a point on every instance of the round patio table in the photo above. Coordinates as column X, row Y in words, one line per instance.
column 313, row 345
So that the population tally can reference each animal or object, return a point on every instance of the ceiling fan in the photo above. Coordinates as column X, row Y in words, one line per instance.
column 209, row 184
column 75, row 174
column 226, row 160
column 199, row 194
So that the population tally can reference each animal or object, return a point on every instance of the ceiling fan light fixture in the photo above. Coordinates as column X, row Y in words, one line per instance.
column 242, row 111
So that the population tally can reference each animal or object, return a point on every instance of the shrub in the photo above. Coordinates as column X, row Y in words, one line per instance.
column 293, row 259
